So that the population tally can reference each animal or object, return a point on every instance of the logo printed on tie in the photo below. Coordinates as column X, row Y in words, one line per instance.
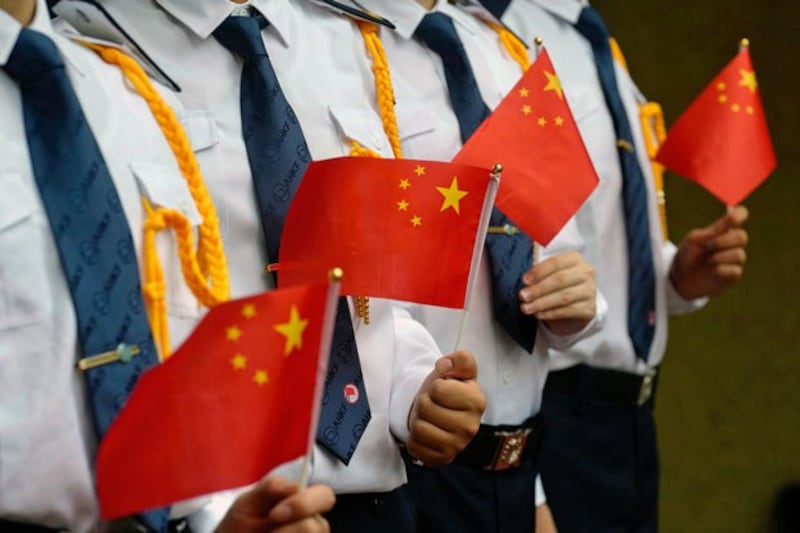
column 350, row 393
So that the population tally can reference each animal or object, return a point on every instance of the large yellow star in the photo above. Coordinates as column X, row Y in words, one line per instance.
column 293, row 331
column 238, row 361
column 233, row 333
column 553, row 84
column 249, row 311
column 452, row 196
column 748, row 80
column 261, row 377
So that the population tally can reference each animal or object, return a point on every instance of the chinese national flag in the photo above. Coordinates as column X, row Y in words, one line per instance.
column 235, row 400
column 721, row 141
column 547, row 171
column 400, row 229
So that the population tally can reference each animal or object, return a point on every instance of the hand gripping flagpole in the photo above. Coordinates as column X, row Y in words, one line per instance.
column 336, row 276
column 480, row 241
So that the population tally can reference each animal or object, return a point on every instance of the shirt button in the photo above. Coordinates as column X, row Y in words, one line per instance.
column 507, row 377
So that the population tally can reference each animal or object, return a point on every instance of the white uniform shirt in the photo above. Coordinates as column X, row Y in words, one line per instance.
column 511, row 377
column 47, row 440
column 602, row 219
column 325, row 73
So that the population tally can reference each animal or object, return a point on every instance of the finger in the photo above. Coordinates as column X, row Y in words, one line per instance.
column 550, row 265
column 555, row 282
column 426, row 455
column 259, row 500
column 584, row 311
column 735, row 217
column 312, row 524
column 729, row 273
column 461, row 425
column 314, row 499
column 455, row 395
column 562, row 298
column 458, row 365
column 432, row 436
column 733, row 256
column 730, row 239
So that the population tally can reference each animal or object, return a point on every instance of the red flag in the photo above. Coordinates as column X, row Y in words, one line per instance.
column 548, row 174
column 235, row 400
column 400, row 229
column 721, row 141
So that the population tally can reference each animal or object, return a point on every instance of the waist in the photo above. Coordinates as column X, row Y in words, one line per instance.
column 497, row 448
column 602, row 384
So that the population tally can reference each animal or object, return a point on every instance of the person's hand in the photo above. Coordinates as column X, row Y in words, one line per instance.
column 711, row 259
column 278, row 506
column 561, row 292
column 447, row 410
column 544, row 520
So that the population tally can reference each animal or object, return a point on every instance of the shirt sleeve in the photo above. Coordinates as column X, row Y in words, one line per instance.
column 541, row 497
column 416, row 353
column 677, row 304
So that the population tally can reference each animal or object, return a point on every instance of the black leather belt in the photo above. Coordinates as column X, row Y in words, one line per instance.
column 497, row 448
column 9, row 526
column 604, row 384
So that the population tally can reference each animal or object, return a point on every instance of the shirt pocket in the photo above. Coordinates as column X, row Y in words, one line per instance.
column 164, row 186
column 26, row 246
column 413, row 120
column 362, row 126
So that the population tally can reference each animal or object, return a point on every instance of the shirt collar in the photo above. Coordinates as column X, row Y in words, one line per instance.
column 569, row 10
column 10, row 28
column 203, row 17
column 407, row 14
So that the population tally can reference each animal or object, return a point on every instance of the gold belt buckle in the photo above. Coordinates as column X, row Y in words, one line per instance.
column 509, row 453
column 646, row 388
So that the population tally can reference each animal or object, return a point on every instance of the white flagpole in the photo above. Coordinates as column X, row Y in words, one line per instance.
column 536, row 252
column 322, row 370
column 480, row 241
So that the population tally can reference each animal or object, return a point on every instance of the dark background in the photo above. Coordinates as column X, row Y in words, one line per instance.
column 729, row 403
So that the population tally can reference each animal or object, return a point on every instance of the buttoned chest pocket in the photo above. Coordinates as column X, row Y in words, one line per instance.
column 26, row 249
column 164, row 186
column 362, row 127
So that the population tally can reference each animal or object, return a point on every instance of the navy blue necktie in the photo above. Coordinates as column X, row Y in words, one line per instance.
column 510, row 256
column 496, row 7
column 641, row 274
column 278, row 157
column 89, row 227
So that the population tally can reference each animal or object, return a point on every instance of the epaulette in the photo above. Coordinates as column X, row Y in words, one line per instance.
column 351, row 9
column 93, row 24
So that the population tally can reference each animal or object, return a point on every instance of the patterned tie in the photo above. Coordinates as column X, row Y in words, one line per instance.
column 278, row 156
column 641, row 275
column 510, row 256
column 89, row 227
column 496, row 7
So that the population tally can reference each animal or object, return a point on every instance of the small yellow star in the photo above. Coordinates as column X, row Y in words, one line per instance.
column 735, row 108
column 722, row 98
column 260, row 377
column 402, row 205
column 293, row 331
column 249, row 311
column 416, row 221
column 238, row 361
column 452, row 196
column 526, row 110
column 420, row 170
column 559, row 121
column 404, row 184
column 748, row 80
column 542, row 121
column 233, row 333
column 523, row 92
column 721, row 86
column 553, row 84
column 749, row 109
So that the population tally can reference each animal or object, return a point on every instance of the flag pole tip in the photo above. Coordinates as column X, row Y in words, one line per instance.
column 744, row 43
column 538, row 41
column 337, row 274
column 497, row 168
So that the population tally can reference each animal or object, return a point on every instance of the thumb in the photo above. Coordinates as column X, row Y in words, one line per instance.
column 458, row 365
column 701, row 236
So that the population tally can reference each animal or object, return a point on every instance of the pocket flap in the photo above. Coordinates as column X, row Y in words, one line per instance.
column 201, row 129
column 362, row 126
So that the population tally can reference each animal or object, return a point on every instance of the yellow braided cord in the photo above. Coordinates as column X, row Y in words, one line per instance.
column 616, row 53
column 384, row 89
column 154, row 288
column 655, row 132
column 515, row 48
column 210, row 252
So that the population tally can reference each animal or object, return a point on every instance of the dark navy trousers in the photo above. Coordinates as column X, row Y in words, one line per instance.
column 383, row 512
column 599, row 465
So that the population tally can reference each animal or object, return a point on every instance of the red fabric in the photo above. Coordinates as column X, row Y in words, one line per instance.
column 349, row 213
column 198, row 424
column 547, row 171
column 721, row 141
